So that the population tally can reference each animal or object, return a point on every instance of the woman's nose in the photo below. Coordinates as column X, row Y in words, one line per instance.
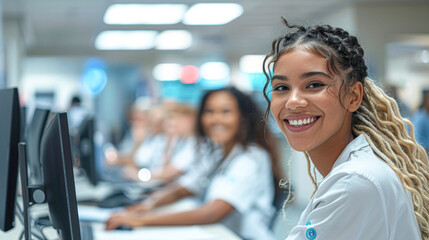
column 296, row 100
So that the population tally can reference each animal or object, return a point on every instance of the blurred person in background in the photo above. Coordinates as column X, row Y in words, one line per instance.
column 233, row 176
column 76, row 113
column 421, row 122
column 171, row 154
column 180, row 148
column 404, row 109
column 139, row 130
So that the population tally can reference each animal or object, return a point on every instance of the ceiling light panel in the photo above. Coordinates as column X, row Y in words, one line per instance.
column 131, row 14
column 173, row 40
column 125, row 40
column 212, row 13
column 214, row 71
column 251, row 63
column 167, row 71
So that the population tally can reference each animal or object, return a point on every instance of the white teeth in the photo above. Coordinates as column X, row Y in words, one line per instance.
column 302, row 122
column 218, row 128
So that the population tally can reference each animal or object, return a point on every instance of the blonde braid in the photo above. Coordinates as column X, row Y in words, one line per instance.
column 313, row 178
column 379, row 120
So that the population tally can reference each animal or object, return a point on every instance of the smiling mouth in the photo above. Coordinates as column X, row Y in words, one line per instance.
column 300, row 124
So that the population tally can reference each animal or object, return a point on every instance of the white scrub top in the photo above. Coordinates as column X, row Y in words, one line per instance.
column 151, row 151
column 361, row 198
column 245, row 181
column 184, row 154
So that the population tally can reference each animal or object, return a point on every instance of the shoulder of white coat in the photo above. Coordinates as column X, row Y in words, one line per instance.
column 256, row 153
column 253, row 156
column 364, row 164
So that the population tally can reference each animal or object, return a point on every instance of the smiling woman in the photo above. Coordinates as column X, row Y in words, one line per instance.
column 234, row 174
column 376, row 176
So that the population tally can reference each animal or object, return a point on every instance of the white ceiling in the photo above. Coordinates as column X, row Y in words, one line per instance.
column 69, row 27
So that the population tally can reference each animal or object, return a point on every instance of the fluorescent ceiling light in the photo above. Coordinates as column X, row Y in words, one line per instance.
column 212, row 13
column 251, row 63
column 214, row 71
column 144, row 13
column 167, row 71
column 173, row 40
column 125, row 40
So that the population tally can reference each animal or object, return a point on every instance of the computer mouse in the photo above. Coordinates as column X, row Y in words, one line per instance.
column 126, row 228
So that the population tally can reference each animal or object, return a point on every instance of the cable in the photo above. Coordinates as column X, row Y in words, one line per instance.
column 41, row 228
column 20, row 213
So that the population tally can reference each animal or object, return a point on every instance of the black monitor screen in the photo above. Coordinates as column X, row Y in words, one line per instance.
column 9, row 138
column 87, row 149
column 33, row 139
column 57, row 171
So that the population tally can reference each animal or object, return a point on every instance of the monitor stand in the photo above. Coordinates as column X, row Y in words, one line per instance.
column 30, row 194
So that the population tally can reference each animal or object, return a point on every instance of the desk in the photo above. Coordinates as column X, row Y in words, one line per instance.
column 209, row 232
column 217, row 230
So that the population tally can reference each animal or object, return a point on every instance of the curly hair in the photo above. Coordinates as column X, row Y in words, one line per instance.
column 377, row 118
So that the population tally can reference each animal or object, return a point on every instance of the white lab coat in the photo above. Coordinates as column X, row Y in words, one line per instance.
column 244, row 180
column 184, row 153
column 151, row 153
column 361, row 198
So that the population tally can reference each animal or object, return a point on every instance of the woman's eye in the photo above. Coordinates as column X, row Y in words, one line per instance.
column 315, row 85
column 281, row 88
column 208, row 111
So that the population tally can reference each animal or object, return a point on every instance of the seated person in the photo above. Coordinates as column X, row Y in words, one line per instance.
column 168, row 154
column 139, row 121
column 179, row 152
column 233, row 175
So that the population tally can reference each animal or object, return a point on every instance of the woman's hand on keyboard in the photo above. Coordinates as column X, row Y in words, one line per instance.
column 124, row 219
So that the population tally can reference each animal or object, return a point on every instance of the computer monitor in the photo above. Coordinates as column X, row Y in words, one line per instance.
column 57, row 169
column 33, row 141
column 86, row 149
column 58, row 189
column 9, row 138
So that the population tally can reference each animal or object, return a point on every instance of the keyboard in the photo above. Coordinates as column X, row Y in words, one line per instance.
column 118, row 199
column 86, row 231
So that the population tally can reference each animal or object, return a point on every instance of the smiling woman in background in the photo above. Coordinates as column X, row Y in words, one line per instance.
column 375, row 176
column 233, row 176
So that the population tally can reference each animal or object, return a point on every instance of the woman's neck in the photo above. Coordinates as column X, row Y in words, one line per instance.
column 325, row 156
column 228, row 148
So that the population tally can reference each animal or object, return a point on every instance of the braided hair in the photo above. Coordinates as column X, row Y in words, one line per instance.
column 377, row 118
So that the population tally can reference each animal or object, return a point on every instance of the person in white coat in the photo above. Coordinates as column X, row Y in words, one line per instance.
column 233, row 177
column 375, row 175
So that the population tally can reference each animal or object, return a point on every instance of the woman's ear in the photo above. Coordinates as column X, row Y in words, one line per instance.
column 355, row 97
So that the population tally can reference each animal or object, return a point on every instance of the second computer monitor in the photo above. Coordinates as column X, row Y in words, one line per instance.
column 33, row 140
column 57, row 169
column 86, row 148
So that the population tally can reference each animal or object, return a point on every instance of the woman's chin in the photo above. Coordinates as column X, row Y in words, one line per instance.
column 299, row 147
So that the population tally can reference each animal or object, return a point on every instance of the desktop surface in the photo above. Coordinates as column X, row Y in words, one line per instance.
column 203, row 232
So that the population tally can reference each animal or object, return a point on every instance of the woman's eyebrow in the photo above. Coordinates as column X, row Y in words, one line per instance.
column 279, row 77
column 314, row 73
column 303, row 76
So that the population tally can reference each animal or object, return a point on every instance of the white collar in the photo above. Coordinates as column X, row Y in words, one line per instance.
column 357, row 144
